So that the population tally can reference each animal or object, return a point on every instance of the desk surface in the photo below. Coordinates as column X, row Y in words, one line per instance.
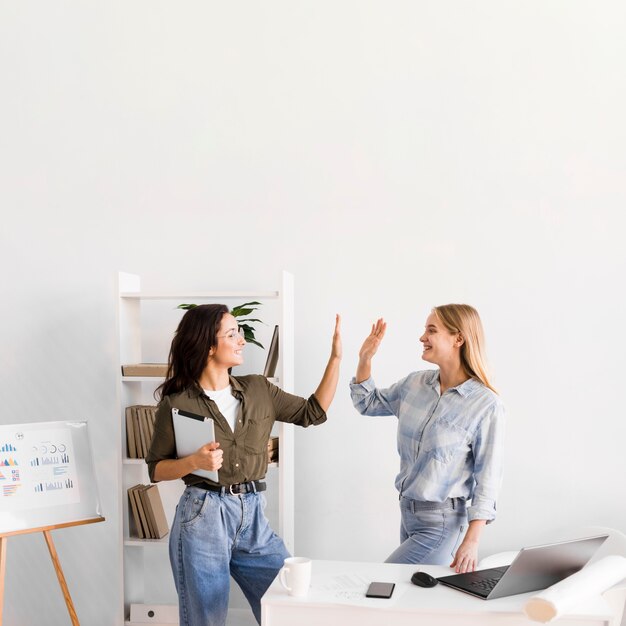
column 337, row 598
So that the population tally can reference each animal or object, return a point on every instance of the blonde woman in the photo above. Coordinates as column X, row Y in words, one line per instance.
column 450, row 433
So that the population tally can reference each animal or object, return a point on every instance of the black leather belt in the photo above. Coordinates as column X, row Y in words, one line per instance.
column 234, row 490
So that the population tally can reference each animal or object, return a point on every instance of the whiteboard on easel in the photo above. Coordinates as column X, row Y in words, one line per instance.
column 46, row 475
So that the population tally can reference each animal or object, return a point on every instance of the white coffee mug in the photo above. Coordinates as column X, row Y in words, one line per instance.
column 295, row 576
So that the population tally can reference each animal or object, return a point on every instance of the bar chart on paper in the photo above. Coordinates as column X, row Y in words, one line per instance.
column 46, row 475
column 39, row 469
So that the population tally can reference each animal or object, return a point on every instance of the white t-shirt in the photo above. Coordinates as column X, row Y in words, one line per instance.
column 227, row 404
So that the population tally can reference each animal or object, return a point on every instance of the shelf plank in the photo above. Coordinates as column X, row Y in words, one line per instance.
column 147, row 379
column 200, row 295
column 127, row 461
column 146, row 543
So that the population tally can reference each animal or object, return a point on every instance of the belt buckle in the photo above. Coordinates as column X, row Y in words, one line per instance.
column 232, row 493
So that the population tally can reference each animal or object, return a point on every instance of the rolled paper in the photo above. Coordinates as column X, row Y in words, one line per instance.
column 564, row 595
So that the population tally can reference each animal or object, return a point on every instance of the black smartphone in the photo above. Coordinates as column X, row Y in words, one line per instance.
column 380, row 590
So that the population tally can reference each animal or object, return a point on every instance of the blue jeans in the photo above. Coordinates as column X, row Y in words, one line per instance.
column 430, row 532
column 214, row 537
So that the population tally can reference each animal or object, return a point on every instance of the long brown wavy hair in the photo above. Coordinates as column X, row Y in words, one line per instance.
column 195, row 336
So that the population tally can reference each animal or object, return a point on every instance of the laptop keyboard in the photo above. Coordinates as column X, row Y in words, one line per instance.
column 485, row 580
column 486, row 584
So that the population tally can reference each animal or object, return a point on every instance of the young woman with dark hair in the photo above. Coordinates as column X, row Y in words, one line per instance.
column 220, row 529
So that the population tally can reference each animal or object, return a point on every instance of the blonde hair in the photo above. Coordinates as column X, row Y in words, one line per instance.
column 464, row 319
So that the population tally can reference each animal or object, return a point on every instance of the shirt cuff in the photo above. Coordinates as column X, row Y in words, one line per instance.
column 151, row 468
column 318, row 413
column 484, row 512
column 367, row 384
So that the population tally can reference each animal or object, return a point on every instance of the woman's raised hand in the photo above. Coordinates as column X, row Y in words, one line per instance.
column 337, row 349
column 372, row 341
column 368, row 350
column 325, row 391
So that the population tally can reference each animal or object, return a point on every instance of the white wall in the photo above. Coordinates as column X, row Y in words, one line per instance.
column 393, row 156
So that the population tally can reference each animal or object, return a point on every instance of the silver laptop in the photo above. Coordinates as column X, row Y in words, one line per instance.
column 534, row 568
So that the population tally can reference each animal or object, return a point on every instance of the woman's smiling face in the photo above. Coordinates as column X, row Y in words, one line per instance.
column 439, row 344
column 230, row 344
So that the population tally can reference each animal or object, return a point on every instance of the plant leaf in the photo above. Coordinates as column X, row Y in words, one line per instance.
column 186, row 307
column 244, row 309
column 250, row 303
column 255, row 342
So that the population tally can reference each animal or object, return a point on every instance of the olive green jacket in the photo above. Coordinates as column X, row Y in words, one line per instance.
column 245, row 450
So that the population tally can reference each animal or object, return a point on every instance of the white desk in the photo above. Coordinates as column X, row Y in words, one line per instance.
column 328, row 605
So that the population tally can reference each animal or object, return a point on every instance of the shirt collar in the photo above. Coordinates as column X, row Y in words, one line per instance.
column 468, row 387
column 235, row 384
column 433, row 378
column 464, row 389
column 196, row 390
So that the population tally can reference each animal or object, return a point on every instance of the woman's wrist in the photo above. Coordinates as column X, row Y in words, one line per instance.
column 474, row 531
column 190, row 463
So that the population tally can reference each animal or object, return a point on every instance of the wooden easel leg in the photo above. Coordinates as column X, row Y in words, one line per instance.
column 3, row 562
column 57, row 567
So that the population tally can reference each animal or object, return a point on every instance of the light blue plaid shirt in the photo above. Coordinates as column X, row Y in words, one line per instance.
column 450, row 445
